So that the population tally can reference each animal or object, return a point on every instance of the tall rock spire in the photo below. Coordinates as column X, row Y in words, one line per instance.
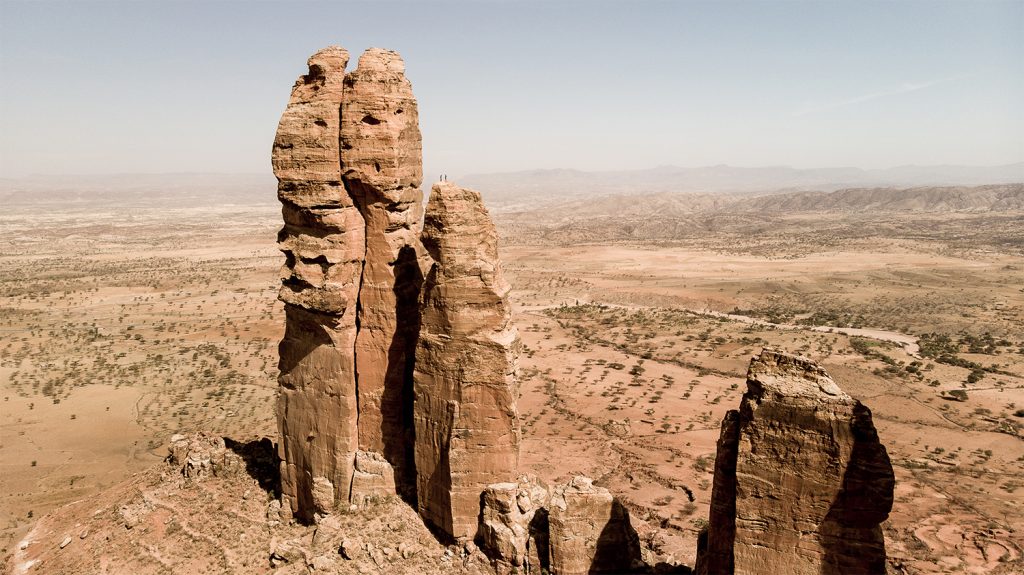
column 324, row 243
column 364, row 410
column 467, row 423
column 381, row 156
column 802, row 483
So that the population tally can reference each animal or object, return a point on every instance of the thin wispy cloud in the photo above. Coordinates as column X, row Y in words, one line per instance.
column 904, row 88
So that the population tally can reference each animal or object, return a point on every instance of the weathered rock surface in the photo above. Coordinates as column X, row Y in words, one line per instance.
column 466, row 420
column 156, row 522
column 801, row 480
column 567, row 529
column 373, row 478
column 514, row 526
column 381, row 155
column 323, row 240
column 348, row 160
column 589, row 531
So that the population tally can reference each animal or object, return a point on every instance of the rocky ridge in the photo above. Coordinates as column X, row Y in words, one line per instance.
column 227, row 519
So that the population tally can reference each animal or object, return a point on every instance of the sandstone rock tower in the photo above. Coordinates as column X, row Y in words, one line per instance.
column 467, row 424
column 348, row 161
column 323, row 240
column 349, row 185
column 801, row 481
column 382, row 168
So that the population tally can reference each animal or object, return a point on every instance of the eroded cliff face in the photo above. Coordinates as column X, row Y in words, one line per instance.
column 466, row 420
column 572, row 528
column 513, row 528
column 323, row 240
column 802, row 482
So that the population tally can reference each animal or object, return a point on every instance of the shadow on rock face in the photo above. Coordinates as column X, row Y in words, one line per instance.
column 261, row 463
column 397, row 403
column 851, row 533
column 538, row 530
column 618, row 546
column 618, row 549
column 670, row 569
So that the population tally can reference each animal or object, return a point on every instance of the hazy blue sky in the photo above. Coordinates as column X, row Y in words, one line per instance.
column 101, row 87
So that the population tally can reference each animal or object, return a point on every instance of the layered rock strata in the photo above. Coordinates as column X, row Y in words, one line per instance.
column 323, row 240
column 466, row 420
column 382, row 170
column 348, row 160
column 801, row 483
column 396, row 382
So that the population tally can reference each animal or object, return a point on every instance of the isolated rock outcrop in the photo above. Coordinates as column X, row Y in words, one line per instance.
column 574, row 528
column 392, row 382
column 381, row 154
column 323, row 240
column 801, row 483
column 348, row 161
column 467, row 423
column 198, row 455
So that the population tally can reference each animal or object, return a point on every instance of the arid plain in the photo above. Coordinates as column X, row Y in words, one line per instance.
column 124, row 322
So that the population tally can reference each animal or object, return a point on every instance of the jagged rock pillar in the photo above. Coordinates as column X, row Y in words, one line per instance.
column 802, row 482
column 323, row 241
column 466, row 420
column 381, row 155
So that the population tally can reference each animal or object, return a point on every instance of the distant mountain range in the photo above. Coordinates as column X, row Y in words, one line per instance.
column 513, row 189
column 675, row 189
column 990, row 198
column 668, row 216
column 139, row 190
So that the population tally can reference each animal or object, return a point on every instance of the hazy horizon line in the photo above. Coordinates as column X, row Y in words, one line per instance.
column 269, row 172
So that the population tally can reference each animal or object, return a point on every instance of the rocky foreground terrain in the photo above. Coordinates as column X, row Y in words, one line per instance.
column 215, row 506
column 431, row 420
